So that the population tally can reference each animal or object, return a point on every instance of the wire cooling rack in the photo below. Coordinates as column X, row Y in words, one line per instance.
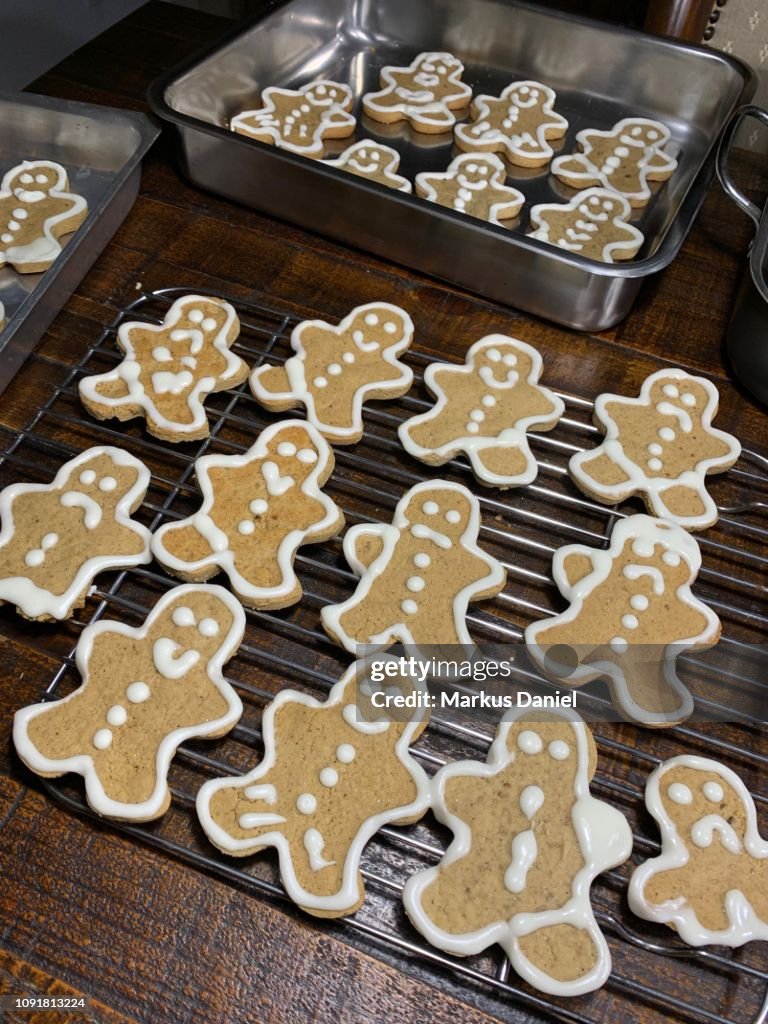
column 288, row 648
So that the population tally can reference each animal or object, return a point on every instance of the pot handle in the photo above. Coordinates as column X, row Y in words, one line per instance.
column 726, row 139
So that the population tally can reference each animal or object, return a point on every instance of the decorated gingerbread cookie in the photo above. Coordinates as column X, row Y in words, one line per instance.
column 529, row 839
column 484, row 409
column 300, row 120
column 258, row 509
column 337, row 369
column 374, row 161
column 519, row 124
column 710, row 882
column 661, row 445
column 631, row 615
column 333, row 773
column 424, row 94
column 417, row 576
column 57, row 537
column 169, row 369
column 625, row 159
column 473, row 184
column 36, row 209
column 145, row 691
column 593, row 224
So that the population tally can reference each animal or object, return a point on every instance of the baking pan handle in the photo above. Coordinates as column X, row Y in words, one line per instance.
column 723, row 152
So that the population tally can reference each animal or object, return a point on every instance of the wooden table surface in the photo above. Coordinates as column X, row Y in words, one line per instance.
column 86, row 910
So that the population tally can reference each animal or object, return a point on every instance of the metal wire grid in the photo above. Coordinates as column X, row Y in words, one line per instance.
column 522, row 528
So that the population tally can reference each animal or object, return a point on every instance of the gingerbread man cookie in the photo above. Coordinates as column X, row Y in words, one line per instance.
column 593, row 224
column 518, row 124
column 631, row 615
column 57, row 537
column 473, row 184
column 145, row 691
column 36, row 209
column 484, row 409
column 169, row 369
column 333, row 773
column 661, row 445
column 300, row 120
column 623, row 159
column 424, row 94
column 258, row 509
column 418, row 575
column 710, row 882
column 529, row 839
column 374, row 161
column 337, row 369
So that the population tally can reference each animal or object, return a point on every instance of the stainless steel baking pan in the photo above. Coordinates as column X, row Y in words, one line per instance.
column 101, row 149
column 601, row 73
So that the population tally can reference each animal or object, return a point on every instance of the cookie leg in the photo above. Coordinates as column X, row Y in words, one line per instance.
column 560, row 959
column 648, row 691
column 684, row 503
column 503, row 464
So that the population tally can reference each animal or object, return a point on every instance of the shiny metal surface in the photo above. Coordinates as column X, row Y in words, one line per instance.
column 101, row 149
column 601, row 73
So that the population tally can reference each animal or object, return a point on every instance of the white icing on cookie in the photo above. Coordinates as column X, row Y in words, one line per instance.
column 16, row 248
column 372, row 160
column 331, row 100
column 429, row 106
column 596, row 222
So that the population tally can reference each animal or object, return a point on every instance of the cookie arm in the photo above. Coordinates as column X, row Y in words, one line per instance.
column 599, row 475
column 279, row 387
column 188, row 548
column 362, row 546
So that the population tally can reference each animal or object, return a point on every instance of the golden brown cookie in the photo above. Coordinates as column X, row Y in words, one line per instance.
column 333, row 773
column 258, row 509
column 624, row 158
column 529, row 838
column 473, row 184
column 417, row 575
column 145, row 691
column 484, row 409
column 710, row 882
column 36, row 209
column 374, row 161
column 593, row 224
column 57, row 537
column 519, row 124
column 660, row 445
column 336, row 369
column 169, row 369
column 631, row 615
column 300, row 120
column 425, row 93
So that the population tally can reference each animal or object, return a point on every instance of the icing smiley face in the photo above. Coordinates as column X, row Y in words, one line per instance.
column 710, row 881
column 145, row 690
column 374, row 161
column 661, row 445
column 336, row 368
column 353, row 771
column 57, row 537
column 504, row 878
column 258, row 508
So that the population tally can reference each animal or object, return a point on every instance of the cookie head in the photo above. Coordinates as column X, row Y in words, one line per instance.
column 326, row 94
column 685, row 398
column 702, row 806
column 602, row 207
column 35, row 181
column 97, row 485
column 525, row 96
column 502, row 364
column 294, row 452
column 548, row 749
column 477, row 172
column 446, row 512
column 369, row 159
column 434, row 68
column 191, row 628
column 377, row 328
column 640, row 133
column 206, row 317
